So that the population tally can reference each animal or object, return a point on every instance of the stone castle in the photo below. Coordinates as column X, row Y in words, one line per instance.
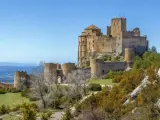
column 117, row 41
column 114, row 41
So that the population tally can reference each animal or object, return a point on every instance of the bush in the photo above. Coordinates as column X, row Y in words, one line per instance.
column 25, row 92
column 56, row 103
column 2, row 91
column 13, row 90
column 28, row 112
column 4, row 109
column 95, row 87
column 46, row 115
column 67, row 115
column 16, row 108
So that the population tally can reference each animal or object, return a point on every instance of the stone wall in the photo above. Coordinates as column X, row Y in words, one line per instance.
column 50, row 72
column 67, row 68
column 100, row 68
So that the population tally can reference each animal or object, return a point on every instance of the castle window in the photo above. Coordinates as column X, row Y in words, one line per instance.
column 103, row 72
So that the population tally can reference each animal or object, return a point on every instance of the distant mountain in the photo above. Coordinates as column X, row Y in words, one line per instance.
column 16, row 64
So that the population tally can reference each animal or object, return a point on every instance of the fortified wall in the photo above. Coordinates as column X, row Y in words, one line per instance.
column 100, row 68
column 54, row 71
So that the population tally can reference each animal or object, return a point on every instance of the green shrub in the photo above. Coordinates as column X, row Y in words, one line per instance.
column 46, row 115
column 28, row 112
column 2, row 91
column 56, row 103
column 67, row 115
column 4, row 109
column 25, row 92
column 94, row 87
column 12, row 90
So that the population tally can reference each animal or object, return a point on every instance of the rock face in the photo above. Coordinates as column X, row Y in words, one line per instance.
column 158, row 72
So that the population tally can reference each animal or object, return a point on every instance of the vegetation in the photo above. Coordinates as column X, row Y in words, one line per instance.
column 101, row 81
column 4, row 90
column 46, row 115
column 12, row 99
column 28, row 112
column 109, row 103
column 4, row 109
column 94, row 87
column 67, row 115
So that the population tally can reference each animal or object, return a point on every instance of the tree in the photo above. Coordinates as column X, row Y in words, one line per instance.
column 39, row 88
column 154, row 49
column 77, row 81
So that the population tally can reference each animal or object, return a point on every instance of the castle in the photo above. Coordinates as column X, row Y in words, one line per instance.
column 118, row 41
column 115, row 41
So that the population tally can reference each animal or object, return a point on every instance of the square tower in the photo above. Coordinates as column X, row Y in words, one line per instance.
column 118, row 27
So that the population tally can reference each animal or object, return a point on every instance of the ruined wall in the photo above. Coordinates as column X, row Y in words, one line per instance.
column 50, row 72
column 100, row 68
column 67, row 68
column 19, row 76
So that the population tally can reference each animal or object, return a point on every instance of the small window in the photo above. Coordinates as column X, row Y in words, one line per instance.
column 103, row 72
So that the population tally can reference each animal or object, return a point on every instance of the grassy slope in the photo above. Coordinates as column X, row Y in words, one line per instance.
column 102, row 81
column 12, row 99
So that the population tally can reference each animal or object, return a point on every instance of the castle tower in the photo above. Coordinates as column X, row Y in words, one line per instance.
column 129, row 56
column 96, row 67
column 118, row 27
column 17, row 79
column 67, row 68
column 82, row 49
column 50, row 72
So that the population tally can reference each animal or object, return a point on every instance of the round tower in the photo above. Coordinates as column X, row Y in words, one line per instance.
column 96, row 67
column 67, row 68
column 50, row 72
column 129, row 55
column 58, row 66
column 17, row 79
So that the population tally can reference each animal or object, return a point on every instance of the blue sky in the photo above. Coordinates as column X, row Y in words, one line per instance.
column 47, row 30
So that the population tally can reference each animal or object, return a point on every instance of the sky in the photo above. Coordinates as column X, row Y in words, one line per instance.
column 47, row 30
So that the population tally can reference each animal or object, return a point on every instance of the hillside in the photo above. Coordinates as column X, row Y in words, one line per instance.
column 135, row 97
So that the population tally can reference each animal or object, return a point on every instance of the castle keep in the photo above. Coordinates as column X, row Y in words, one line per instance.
column 114, row 41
